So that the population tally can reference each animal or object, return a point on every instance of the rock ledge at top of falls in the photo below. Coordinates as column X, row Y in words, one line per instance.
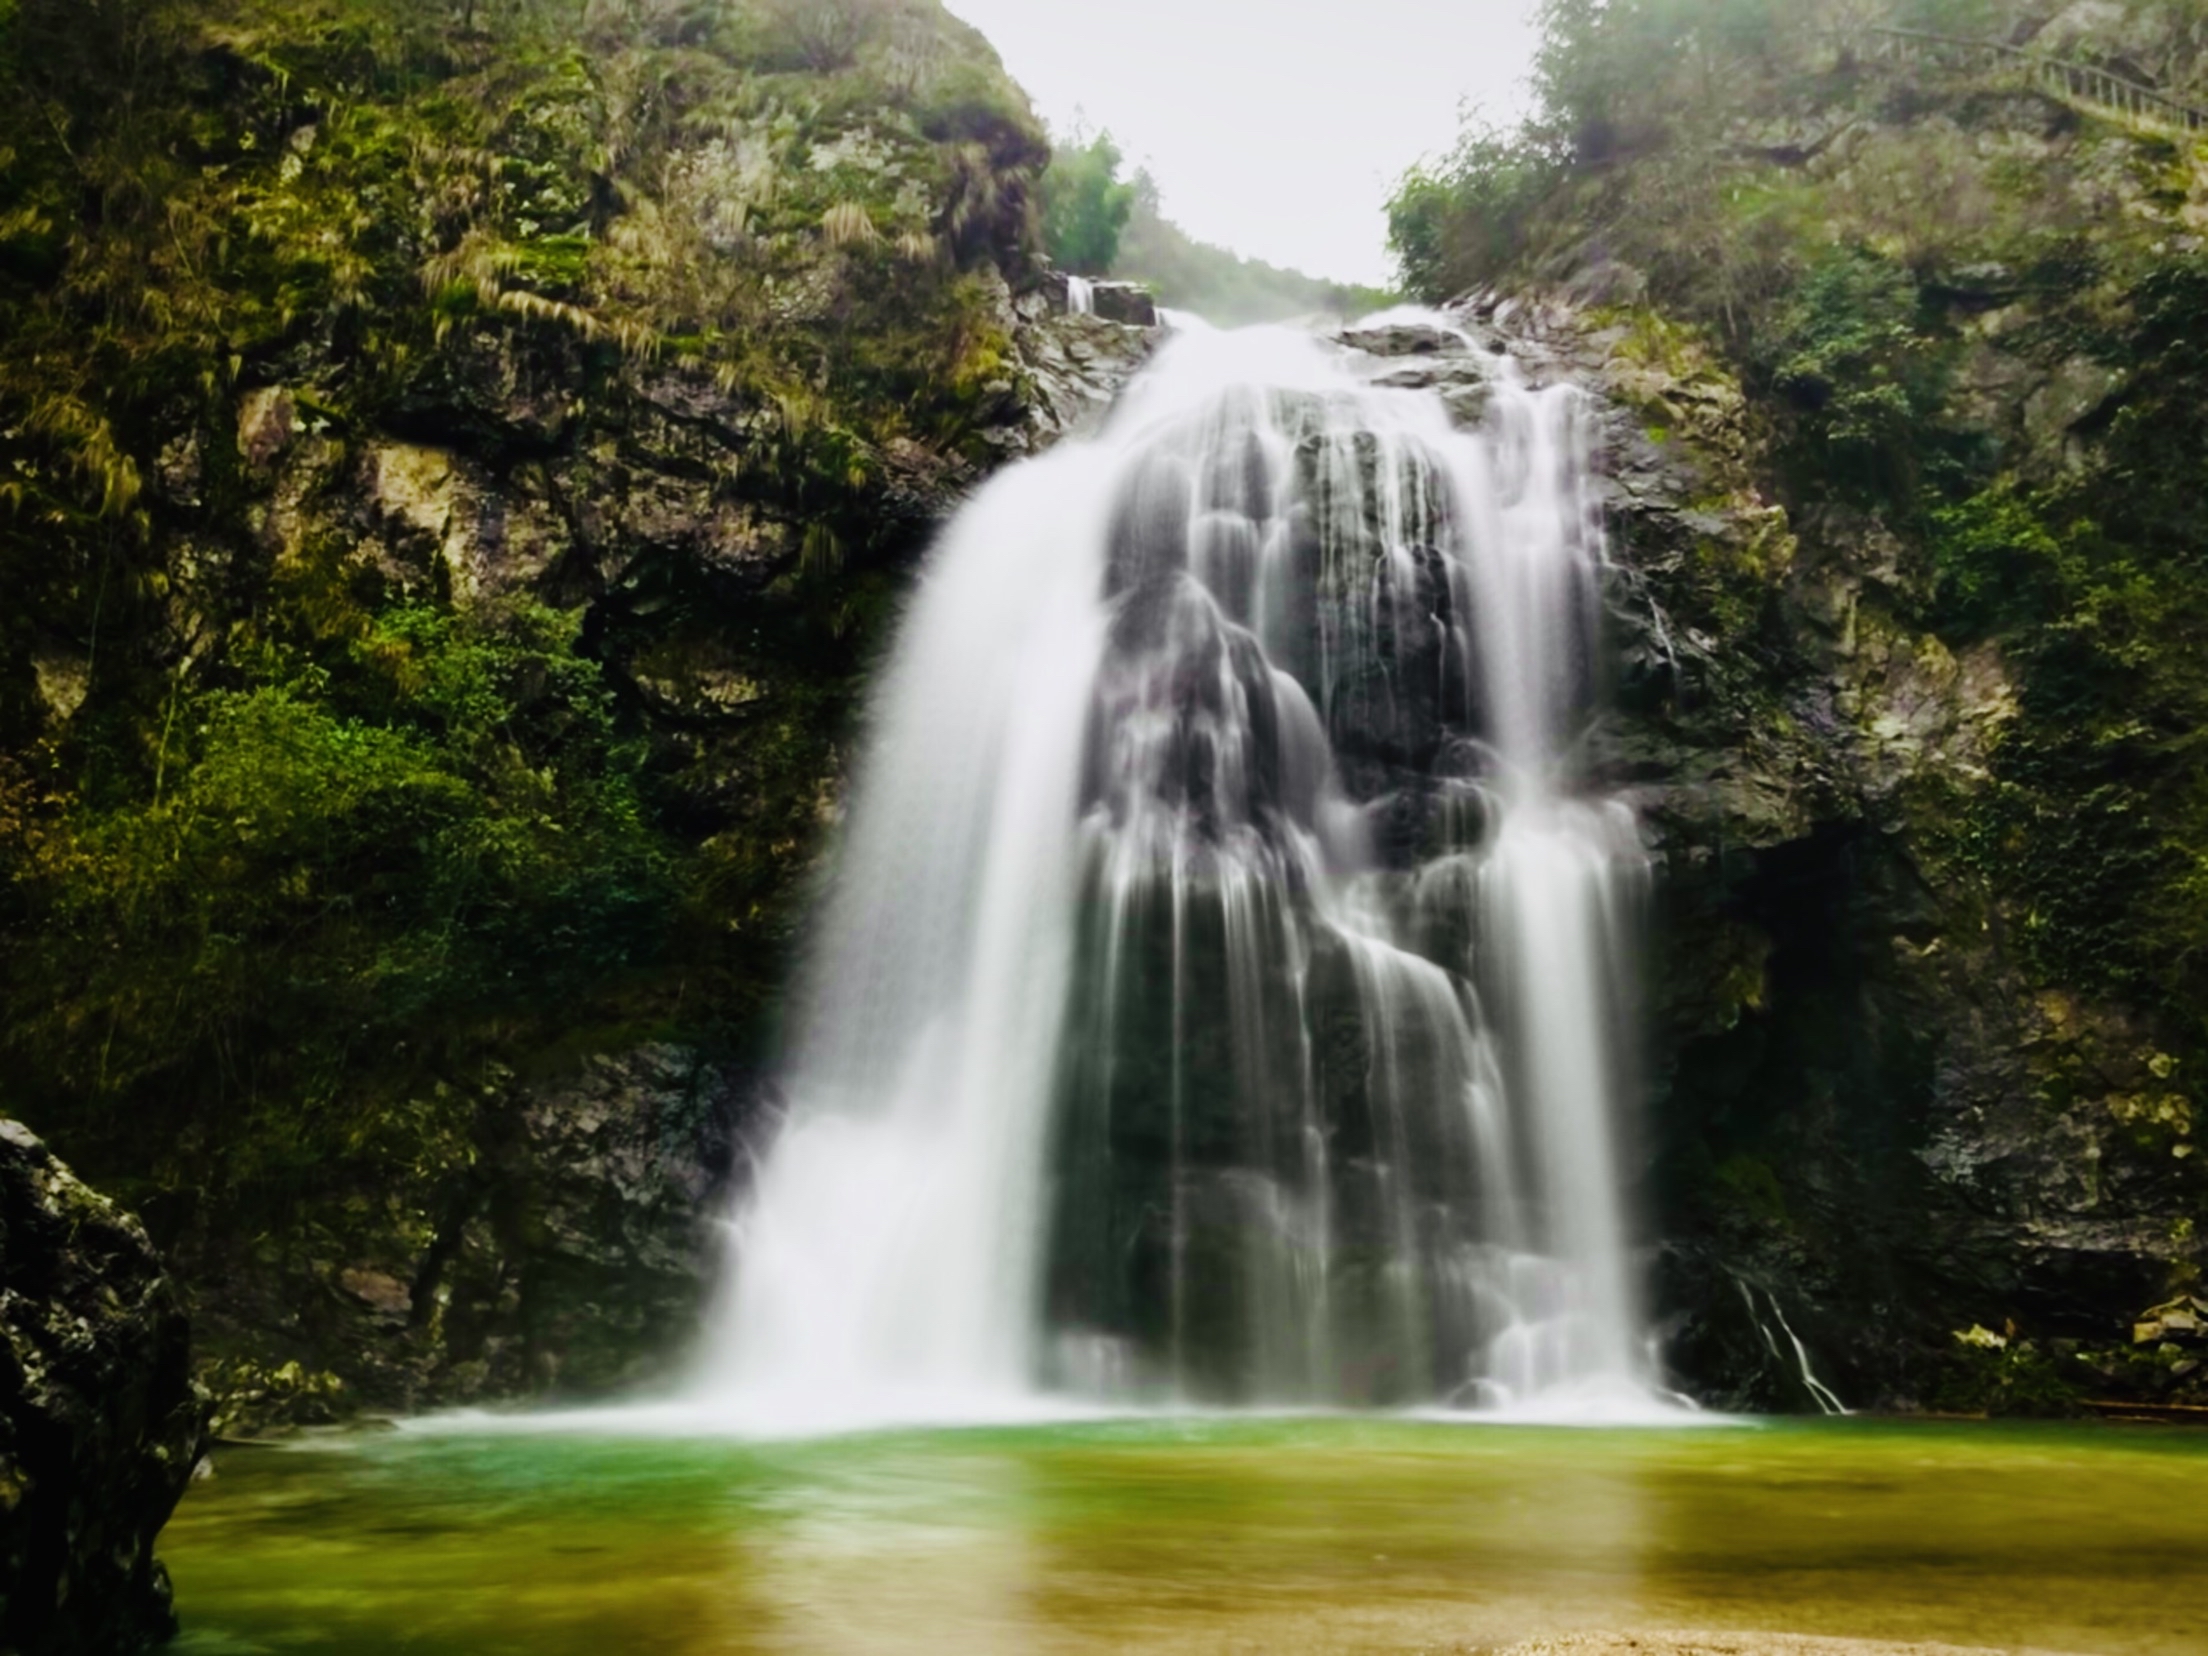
column 100, row 1423
column 1076, row 365
column 1402, row 339
column 1129, row 304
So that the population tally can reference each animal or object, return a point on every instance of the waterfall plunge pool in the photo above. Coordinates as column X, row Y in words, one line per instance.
column 1329, row 1534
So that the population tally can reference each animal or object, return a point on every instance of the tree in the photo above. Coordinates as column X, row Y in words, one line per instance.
column 1085, row 205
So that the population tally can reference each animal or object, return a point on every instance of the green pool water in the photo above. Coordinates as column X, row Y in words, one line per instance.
column 1246, row 1536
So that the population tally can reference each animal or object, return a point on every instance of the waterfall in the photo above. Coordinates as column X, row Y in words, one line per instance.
column 1797, row 1366
column 1080, row 296
column 1223, row 993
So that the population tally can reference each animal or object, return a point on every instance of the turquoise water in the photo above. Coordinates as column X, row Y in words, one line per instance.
column 1333, row 1535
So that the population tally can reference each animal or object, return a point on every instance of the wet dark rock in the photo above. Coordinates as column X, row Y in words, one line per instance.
column 612, row 1220
column 1404, row 339
column 1075, row 367
column 1148, row 538
column 1125, row 303
column 572, row 1260
column 100, row 1423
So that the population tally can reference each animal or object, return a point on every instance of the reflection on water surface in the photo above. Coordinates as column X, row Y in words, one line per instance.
column 1332, row 1535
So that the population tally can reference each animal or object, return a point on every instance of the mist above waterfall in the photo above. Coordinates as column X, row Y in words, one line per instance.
column 1222, row 998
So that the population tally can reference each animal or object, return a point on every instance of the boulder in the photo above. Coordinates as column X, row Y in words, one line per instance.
column 100, row 1423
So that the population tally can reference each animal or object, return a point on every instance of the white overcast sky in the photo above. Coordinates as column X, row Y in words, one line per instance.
column 1275, row 127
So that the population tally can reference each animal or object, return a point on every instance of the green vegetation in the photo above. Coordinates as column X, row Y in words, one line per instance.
column 1464, row 219
column 1868, row 244
column 1085, row 204
column 1220, row 285
column 1097, row 224
column 395, row 399
column 349, row 864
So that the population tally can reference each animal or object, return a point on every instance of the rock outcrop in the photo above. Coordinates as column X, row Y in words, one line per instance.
column 1127, row 303
column 100, row 1423
column 574, row 1257
column 1130, row 304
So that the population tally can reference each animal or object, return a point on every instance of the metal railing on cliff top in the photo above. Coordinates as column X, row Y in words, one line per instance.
column 2098, row 89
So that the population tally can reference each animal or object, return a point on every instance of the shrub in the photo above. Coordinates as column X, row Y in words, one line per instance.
column 1085, row 205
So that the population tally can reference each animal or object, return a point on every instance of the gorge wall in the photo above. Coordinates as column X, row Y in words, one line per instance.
column 456, row 466
column 1906, row 437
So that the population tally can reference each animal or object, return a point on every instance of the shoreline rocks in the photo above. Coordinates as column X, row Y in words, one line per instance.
column 100, row 1423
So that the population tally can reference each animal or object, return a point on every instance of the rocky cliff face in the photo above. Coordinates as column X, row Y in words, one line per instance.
column 442, row 577
column 572, row 1252
column 1870, row 1128
column 1901, row 414
column 569, row 1246
column 100, row 1424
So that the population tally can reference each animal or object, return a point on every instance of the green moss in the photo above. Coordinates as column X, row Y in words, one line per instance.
column 2002, row 1375
column 1647, row 337
column 1863, row 372
column 257, row 1400
column 1993, row 558
column 330, row 893
column 1754, row 1189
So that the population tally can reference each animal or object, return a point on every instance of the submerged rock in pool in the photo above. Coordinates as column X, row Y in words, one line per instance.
column 100, row 1424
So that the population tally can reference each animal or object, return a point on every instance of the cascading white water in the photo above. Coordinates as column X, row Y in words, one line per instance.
column 1221, row 994
column 1080, row 296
